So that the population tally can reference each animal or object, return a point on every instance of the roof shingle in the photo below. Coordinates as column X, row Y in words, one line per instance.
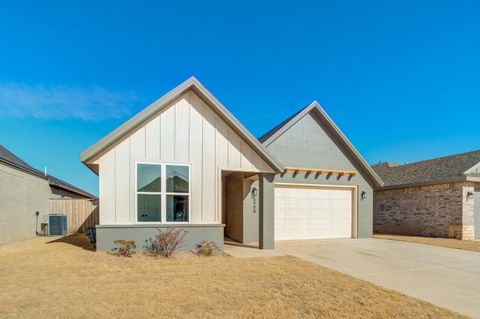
column 8, row 157
column 441, row 169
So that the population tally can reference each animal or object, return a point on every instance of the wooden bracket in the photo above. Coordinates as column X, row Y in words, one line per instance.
column 318, row 171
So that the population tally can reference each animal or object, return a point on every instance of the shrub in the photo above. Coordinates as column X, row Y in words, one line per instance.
column 126, row 247
column 165, row 243
column 207, row 248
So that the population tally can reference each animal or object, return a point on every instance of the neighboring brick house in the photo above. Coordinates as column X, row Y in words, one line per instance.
column 24, row 191
column 438, row 197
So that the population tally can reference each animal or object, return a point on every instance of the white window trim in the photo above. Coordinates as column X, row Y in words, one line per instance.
column 163, row 192
column 152, row 193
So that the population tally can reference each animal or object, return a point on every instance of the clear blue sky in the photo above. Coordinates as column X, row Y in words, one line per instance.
column 400, row 78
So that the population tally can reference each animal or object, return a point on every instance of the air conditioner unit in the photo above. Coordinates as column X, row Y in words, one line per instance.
column 57, row 224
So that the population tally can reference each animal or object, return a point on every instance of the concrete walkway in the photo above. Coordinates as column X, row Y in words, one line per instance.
column 449, row 278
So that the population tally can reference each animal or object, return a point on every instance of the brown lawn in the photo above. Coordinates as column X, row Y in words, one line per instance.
column 64, row 279
column 442, row 242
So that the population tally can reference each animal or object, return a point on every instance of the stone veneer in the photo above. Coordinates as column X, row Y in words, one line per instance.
column 441, row 210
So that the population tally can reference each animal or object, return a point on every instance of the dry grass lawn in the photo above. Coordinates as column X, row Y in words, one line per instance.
column 442, row 242
column 64, row 279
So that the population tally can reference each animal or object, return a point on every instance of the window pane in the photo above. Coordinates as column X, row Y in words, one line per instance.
column 177, row 179
column 148, row 178
column 148, row 208
column 177, row 208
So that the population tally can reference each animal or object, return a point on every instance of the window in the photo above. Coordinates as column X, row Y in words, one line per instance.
column 149, row 196
column 163, row 199
column 177, row 193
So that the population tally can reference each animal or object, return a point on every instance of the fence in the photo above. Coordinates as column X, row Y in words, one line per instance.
column 81, row 213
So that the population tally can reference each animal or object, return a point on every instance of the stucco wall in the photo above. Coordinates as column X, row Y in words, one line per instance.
column 106, row 235
column 250, row 211
column 21, row 195
column 309, row 144
column 424, row 210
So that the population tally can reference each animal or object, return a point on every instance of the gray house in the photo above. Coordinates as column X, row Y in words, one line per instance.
column 186, row 162
column 438, row 197
column 326, row 187
column 24, row 191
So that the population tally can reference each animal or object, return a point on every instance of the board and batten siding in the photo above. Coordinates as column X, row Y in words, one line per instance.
column 187, row 131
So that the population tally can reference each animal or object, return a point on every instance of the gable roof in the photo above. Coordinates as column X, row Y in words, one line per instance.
column 274, row 133
column 190, row 84
column 277, row 128
column 456, row 167
column 14, row 161
column 9, row 157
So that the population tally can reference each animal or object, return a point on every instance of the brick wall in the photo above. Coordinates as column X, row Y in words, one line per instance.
column 433, row 210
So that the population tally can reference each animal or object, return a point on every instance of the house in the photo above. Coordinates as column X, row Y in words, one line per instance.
column 24, row 191
column 438, row 197
column 186, row 162
column 326, row 187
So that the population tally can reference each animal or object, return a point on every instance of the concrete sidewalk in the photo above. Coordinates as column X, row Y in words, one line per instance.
column 449, row 278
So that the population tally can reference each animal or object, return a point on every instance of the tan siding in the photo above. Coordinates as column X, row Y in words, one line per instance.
column 137, row 142
column 234, row 154
column 209, row 172
column 187, row 132
column 122, row 181
column 107, row 188
column 221, row 143
column 247, row 156
column 137, row 153
column 167, row 135
column 182, row 125
column 152, row 140
column 259, row 163
column 196, row 146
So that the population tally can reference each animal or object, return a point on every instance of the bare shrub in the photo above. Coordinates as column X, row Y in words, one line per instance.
column 165, row 243
column 126, row 248
column 207, row 248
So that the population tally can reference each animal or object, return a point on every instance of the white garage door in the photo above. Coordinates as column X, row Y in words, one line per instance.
column 311, row 213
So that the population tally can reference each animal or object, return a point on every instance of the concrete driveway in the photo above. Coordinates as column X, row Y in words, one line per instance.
column 446, row 277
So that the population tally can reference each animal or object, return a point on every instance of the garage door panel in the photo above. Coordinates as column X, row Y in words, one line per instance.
column 320, row 203
column 309, row 213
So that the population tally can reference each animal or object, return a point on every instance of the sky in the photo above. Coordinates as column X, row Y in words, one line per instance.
column 400, row 78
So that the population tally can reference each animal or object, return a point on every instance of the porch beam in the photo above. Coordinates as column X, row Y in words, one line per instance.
column 319, row 171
